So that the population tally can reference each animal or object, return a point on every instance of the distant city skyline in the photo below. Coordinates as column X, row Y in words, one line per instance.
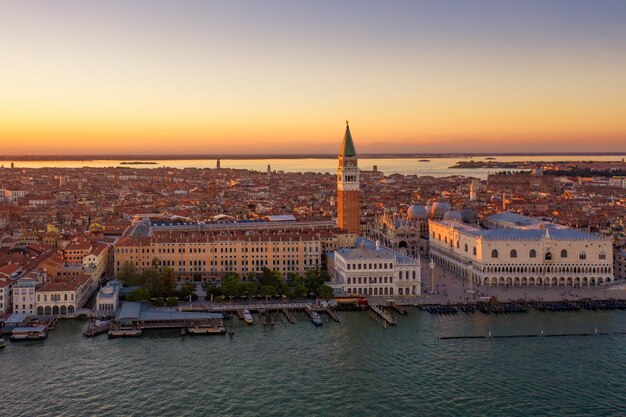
column 280, row 77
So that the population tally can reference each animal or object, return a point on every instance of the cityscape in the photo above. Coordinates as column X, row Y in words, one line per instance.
column 389, row 264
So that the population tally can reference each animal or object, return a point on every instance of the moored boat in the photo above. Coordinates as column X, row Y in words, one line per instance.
column 124, row 332
column 247, row 317
column 3, row 343
column 29, row 333
column 207, row 329
column 317, row 320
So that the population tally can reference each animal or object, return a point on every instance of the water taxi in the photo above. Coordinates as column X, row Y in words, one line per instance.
column 29, row 333
column 124, row 332
column 207, row 329
column 317, row 320
column 247, row 317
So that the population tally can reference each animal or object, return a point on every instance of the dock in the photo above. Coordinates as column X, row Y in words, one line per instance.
column 400, row 310
column 384, row 316
column 529, row 335
column 95, row 330
column 291, row 318
column 333, row 315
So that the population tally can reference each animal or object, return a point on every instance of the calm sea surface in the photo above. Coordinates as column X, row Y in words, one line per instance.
column 437, row 167
column 355, row 368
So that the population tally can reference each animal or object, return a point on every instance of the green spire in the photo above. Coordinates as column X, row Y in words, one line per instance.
column 347, row 148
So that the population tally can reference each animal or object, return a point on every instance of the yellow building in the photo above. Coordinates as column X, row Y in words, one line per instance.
column 210, row 254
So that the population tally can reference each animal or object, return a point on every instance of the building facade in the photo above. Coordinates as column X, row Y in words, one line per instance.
column 371, row 269
column 348, row 188
column 534, row 254
column 208, row 255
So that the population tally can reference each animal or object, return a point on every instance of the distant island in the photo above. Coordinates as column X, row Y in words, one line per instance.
column 138, row 163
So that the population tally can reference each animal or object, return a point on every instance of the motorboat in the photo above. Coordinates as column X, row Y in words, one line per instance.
column 317, row 320
column 247, row 317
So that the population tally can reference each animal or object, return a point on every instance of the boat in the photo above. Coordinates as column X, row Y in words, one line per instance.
column 3, row 343
column 207, row 329
column 124, row 332
column 29, row 333
column 247, row 317
column 424, row 160
column 317, row 320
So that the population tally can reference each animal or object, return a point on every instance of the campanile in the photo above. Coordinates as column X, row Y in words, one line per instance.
column 348, row 193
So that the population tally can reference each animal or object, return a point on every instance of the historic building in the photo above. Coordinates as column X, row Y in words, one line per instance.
column 406, row 234
column 348, row 191
column 522, row 251
column 242, row 248
column 372, row 269
column 523, row 182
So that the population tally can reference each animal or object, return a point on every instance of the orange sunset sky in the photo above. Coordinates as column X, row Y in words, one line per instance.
column 282, row 76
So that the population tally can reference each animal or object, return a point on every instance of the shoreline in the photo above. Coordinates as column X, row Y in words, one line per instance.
column 183, row 157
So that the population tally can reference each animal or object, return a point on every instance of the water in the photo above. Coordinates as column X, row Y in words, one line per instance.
column 355, row 368
column 437, row 167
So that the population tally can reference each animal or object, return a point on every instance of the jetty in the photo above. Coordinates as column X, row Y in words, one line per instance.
column 382, row 315
column 97, row 328
column 291, row 318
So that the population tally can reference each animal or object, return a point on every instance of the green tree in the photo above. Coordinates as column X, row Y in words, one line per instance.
column 326, row 292
column 128, row 275
column 231, row 287
column 159, row 302
column 268, row 290
column 313, row 280
column 169, row 280
column 171, row 301
column 139, row 294
column 153, row 281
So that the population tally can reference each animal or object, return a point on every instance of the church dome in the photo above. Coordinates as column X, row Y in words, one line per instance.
column 416, row 212
column 536, row 172
column 468, row 215
column 439, row 209
column 453, row 215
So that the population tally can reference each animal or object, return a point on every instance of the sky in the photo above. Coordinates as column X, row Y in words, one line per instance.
column 281, row 77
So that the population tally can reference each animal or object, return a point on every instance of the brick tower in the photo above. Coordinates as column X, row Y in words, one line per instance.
column 348, row 194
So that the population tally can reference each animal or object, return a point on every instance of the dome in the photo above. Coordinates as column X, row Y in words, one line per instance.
column 453, row 215
column 439, row 209
column 428, row 208
column 416, row 212
column 468, row 215
column 536, row 172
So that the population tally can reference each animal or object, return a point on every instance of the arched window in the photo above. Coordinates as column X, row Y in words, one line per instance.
column 494, row 253
column 548, row 256
column 457, row 244
column 533, row 253
column 466, row 247
column 602, row 255
column 582, row 256
column 474, row 250
column 563, row 253
column 513, row 253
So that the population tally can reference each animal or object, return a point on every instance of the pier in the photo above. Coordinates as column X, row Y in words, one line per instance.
column 289, row 316
column 382, row 315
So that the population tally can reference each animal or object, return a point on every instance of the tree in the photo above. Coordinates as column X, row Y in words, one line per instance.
column 139, row 294
column 231, row 287
column 169, row 280
column 326, row 292
column 128, row 275
column 171, row 301
column 313, row 280
column 268, row 290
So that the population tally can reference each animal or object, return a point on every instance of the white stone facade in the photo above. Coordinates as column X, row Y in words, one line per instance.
column 370, row 269
column 524, row 256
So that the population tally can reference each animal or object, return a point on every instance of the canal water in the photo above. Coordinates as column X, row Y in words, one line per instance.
column 355, row 368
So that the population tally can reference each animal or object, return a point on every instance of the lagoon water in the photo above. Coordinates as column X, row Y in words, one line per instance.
column 436, row 167
column 355, row 368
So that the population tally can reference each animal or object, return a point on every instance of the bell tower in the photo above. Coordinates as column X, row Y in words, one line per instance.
column 348, row 192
